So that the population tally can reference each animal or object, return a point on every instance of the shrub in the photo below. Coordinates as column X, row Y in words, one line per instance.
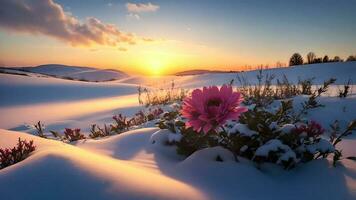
column 312, row 100
column 337, row 59
column 296, row 59
column 40, row 129
column 262, row 135
column 343, row 93
column 121, row 124
column 310, row 57
column 96, row 131
column 351, row 58
column 326, row 59
column 306, row 86
column 56, row 135
column 154, row 113
column 138, row 119
column 336, row 137
column 160, row 96
column 264, row 93
column 72, row 135
column 16, row 154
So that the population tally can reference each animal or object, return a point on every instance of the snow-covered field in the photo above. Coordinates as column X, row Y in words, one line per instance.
column 130, row 166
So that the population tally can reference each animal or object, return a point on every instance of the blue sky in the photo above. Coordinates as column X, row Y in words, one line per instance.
column 303, row 22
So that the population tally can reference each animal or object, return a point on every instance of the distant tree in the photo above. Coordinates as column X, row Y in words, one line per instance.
column 351, row 58
column 296, row 59
column 280, row 64
column 310, row 57
column 337, row 59
column 326, row 59
column 318, row 60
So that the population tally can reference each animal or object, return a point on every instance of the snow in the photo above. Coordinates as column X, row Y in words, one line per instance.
column 320, row 72
column 242, row 129
column 321, row 146
column 273, row 145
column 210, row 155
column 287, row 128
column 22, row 90
column 98, row 75
column 273, row 126
column 58, row 171
column 286, row 156
column 128, row 166
column 79, row 73
column 132, row 166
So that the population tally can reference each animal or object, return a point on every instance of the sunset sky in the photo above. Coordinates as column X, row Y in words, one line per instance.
column 162, row 37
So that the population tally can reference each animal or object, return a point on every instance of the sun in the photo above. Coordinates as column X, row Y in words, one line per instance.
column 156, row 67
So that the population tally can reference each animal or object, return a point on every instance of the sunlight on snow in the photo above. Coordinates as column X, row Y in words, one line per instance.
column 62, row 110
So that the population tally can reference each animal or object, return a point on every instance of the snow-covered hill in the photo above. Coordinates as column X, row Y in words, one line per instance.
column 342, row 71
column 77, row 73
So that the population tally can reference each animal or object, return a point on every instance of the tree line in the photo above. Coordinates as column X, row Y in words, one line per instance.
column 311, row 58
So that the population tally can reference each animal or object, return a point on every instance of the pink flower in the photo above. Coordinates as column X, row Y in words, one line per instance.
column 209, row 108
column 313, row 129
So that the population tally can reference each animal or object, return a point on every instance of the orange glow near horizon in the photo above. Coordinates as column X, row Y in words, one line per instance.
column 157, row 58
column 154, row 59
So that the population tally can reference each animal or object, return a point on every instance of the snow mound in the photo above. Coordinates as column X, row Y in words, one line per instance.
column 126, row 166
column 58, row 171
column 165, row 136
column 216, row 154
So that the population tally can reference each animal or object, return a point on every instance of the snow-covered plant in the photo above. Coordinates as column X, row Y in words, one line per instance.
column 304, row 142
column 298, row 141
column 72, row 135
column 170, row 120
column 16, row 154
column 203, row 117
column 261, row 134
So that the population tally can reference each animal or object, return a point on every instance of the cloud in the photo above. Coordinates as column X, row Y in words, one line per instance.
column 133, row 16
column 141, row 7
column 48, row 18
